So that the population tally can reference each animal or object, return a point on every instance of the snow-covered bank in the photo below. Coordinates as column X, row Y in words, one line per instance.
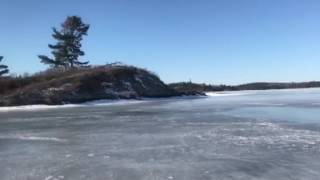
column 34, row 107
column 103, row 102
column 29, row 137
column 142, row 100
column 246, row 92
column 90, row 103
column 225, row 93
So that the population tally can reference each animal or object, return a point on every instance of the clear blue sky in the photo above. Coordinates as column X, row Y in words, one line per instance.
column 212, row 41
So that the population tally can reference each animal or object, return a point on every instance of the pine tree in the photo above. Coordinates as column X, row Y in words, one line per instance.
column 3, row 68
column 67, row 50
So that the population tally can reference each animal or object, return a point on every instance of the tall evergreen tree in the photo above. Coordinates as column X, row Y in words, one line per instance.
column 67, row 50
column 3, row 68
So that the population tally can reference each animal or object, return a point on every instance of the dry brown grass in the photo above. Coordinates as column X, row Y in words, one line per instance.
column 50, row 77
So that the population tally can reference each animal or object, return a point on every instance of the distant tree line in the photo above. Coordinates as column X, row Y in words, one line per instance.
column 267, row 85
column 189, row 86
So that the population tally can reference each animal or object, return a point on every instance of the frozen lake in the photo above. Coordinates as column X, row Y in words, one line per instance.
column 248, row 135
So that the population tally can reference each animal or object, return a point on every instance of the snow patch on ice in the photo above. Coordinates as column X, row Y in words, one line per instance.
column 226, row 93
column 266, row 104
column 106, row 157
column 68, row 155
column 48, row 107
column 35, row 107
column 91, row 155
column 111, row 102
column 48, row 178
column 33, row 138
column 54, row 178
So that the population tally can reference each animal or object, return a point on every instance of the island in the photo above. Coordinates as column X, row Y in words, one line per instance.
column 59, row 86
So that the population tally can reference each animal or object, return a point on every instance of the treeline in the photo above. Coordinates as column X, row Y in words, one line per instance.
column 266, row 85
column 189, row 86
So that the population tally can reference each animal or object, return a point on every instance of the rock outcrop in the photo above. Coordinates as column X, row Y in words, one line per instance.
column 103, row 82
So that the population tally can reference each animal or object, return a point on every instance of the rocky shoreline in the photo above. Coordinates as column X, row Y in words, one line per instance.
column 88, row 84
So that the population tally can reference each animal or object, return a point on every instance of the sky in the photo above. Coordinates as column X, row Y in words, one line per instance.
column 209, row 41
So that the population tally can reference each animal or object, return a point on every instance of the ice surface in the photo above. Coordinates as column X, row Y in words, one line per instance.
column 251, row 136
